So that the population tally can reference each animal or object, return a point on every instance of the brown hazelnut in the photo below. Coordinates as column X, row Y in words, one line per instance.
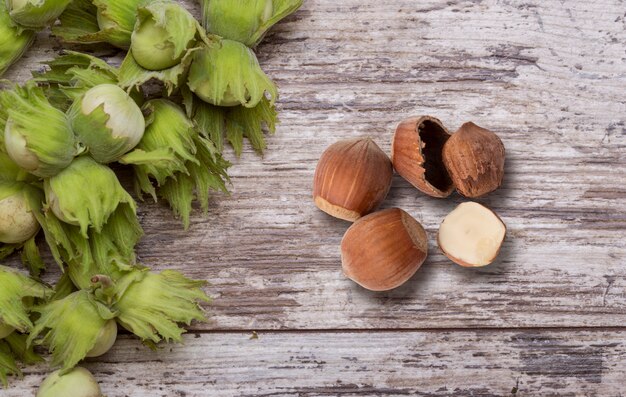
column 381, row 251
column 416, row 154
column 474, row 157
column 352, row 178
column 471, row 235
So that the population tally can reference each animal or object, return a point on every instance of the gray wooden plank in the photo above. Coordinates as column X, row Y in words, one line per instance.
column 549, row 77
column 442, row 363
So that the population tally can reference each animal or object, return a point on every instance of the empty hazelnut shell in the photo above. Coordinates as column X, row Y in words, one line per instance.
column 416, row 154
column 471, row 235
column 352, row 178
column 474, row 158
column 381, row 251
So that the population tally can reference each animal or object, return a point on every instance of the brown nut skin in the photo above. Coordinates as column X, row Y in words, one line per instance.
column 352, row 178
column 381, row 251
column 474, row 157
column 416, row 154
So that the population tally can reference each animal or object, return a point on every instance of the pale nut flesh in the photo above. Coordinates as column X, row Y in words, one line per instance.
column 383, row 250
column 471, row 235
column 352, row 178
column 416, row 154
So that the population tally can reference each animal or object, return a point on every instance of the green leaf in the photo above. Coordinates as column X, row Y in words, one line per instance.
column 211, row 120
column 208, row 173
column 72, row 74
column 7, row 249
column 179, row 193
column 22, row 351
column 8, row 366
column 9, row 171
column 161, row 156
column 115, row 245
column 249, row 122
column 168, row 130
column 16, row 287
column 63, row 287
column 282, row 9
column 31, row 258
column 70, row 327
column 235, row 123
column 76, row 73
column 121, row 12
column 151, row 305
column 110, row 252
column 79, row 22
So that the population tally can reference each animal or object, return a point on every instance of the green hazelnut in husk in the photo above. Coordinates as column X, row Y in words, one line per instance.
column 16, row 300
column 14, row 41
column 85, row 194
column 246, row 21
column 151, row 304
column 107, row 122
column 74, row 327
column 117, row 18
column 163, row 33
column 17, row 221
column 105, row 340
column 78, row 382
column 228, row 74
column 36, row 14
column 37, row 136
column 237, row 20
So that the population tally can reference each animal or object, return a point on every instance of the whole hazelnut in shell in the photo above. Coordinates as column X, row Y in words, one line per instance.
column 352, row 178
column 383, row 250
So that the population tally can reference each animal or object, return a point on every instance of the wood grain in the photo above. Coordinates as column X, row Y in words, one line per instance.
column 442, row 363
column 548, row 76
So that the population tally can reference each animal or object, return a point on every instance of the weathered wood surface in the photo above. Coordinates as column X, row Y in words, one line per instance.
column 467, row 363
column 549, row 76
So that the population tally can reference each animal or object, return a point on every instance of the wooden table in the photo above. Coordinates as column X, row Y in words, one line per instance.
column 548, row 319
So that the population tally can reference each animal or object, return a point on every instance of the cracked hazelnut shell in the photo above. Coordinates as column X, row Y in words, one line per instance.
column 383, row 250
column 416, row 154
column 474, row 158
column 352, row 178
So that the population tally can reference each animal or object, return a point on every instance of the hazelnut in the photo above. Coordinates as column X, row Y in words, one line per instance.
column 474, row 157
column 381, row 251
column 416, row 154
column 352, row 178
column 471, row 235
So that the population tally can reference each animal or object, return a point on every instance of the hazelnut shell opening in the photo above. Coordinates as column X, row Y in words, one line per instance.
column 416, row 154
